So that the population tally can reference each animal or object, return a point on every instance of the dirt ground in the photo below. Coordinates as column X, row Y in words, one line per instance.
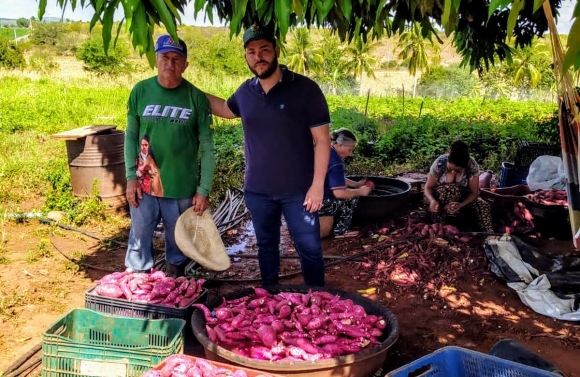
column 475, row 310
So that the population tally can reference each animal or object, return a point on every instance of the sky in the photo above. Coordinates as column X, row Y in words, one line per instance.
column 29, row 8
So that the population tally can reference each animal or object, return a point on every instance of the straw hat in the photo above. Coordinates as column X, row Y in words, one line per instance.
column 198, row 238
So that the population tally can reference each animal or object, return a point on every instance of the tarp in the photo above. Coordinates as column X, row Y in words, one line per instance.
column 548, row 284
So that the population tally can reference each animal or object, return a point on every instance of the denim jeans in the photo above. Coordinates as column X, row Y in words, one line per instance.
column 144, row 219
column 304, row 228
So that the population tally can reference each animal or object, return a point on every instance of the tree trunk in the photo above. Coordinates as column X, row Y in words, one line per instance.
column 415, row 86
column 360, row 85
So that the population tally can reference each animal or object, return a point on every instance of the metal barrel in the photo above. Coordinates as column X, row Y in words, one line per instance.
column 99, row 156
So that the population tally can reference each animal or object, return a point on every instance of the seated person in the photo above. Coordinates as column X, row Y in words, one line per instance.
column 453, row 184
column 340, row 193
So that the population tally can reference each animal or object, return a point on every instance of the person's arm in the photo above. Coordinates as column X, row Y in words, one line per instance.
column 131, row 146
column 219, row 107
column 207, row 146
column 473, row 191
column 350, row 193
column 315, row 194
column 133, row 189
column 431, row 182
column 429, row 194
column 355, row 184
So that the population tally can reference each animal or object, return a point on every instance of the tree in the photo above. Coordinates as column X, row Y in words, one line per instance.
column 22, row 22
column 481, row 28
column 11, row 55
column 528, row 64
column 302, row 56
column 358, row 59
column 414, row 48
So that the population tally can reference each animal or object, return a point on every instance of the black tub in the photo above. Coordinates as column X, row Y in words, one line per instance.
column 361, row 364
column 389, row 195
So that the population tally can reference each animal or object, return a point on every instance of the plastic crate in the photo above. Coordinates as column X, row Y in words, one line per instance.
column 249, row 372
column 460, row 362
column 528, row 151
column 88, row 343
column 550, row 220
column 122, row 307
column 512, row 176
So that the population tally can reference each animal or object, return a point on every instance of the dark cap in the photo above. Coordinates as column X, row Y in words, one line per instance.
column 166, row 44
column 258, row 32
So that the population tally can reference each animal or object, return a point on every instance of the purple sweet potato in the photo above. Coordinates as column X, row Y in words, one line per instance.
column 260, row 353
column 267, row 335
column 223, row 314
column 191, row 288
column 316, row 322
column 163, row 287
column 157, row 275
column 261, row 292
column 113, row 278
column 285, row 311
column 109, row 290
column 211, row 333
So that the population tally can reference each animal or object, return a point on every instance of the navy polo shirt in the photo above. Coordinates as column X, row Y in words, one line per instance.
column 335, row 178
column 279, row 148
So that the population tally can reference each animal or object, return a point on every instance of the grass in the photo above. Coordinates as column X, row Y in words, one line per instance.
column 8, row 33
column 9, row 303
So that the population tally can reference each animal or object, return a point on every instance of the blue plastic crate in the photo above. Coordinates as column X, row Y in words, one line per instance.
column 460, row 362
column 511, row 176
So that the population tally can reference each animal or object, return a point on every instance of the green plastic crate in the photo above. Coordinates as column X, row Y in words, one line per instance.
column 88, row 343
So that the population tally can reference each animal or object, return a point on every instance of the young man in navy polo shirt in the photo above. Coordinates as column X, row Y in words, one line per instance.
column 286, row 128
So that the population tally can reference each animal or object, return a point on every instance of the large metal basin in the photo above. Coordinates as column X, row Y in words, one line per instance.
column 389, row 195
column 361, row 364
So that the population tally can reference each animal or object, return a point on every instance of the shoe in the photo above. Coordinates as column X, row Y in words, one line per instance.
column 175, row 271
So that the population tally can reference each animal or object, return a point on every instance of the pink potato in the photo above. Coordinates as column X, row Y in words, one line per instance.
column 109, row 290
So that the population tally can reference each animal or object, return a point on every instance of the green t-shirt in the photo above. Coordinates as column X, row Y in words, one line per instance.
column 165, row 130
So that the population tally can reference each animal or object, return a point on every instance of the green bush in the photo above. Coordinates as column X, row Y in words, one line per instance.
column 229, row 148
column 92, row 53
column 23, row 22
column 46, row 33
column 217, row 54
column 442, row 82
column 11, row 55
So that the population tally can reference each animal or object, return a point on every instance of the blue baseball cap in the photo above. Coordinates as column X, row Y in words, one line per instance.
column 166, row 44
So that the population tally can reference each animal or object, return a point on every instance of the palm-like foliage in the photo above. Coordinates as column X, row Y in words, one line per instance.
column 302, row 56
column 414, row 47
column 526, row 66
column 358, row 59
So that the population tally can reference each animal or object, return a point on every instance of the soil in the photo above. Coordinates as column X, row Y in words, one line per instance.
column 471, row 309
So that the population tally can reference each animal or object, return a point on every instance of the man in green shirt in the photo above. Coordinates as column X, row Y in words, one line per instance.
column 168, row 120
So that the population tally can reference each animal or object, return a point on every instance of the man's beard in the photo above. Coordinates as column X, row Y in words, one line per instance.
column 269, row 71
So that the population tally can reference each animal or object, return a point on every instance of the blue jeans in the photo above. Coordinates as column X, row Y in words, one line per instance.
column 144, row 219
column 304, row 228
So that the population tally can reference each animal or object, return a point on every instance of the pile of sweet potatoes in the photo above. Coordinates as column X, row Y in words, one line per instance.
column 153, row 288
column 517, row 220
column 417, row 228
column 292, row 326
column 185, row 366
column 551, row 197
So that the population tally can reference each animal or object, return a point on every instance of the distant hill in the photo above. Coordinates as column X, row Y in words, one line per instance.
column 12, row 21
